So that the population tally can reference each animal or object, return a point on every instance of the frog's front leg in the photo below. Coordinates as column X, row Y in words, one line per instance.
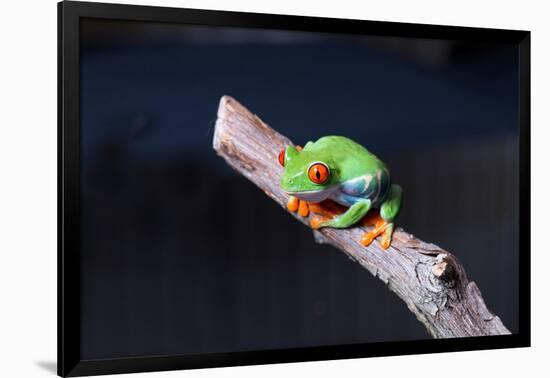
column 347, row 219
column 294, row 204
column 383, row 224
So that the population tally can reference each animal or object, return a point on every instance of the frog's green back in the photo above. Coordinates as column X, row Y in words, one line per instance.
column 351, row 158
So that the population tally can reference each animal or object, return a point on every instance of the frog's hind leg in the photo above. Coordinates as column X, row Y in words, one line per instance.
column 383, row 222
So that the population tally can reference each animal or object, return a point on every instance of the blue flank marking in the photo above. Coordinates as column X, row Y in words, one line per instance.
column 376, row 188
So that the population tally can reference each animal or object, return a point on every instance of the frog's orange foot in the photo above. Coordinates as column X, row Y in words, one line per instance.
column 303, row 208
column 385, row 242
column 381, row 227
column 368, row 237
column 294, row 204
column 324, row 211
column 327, row 208
column 317, row 222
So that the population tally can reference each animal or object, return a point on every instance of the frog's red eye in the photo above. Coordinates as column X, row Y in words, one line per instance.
column 318, row 173
column 282, row 158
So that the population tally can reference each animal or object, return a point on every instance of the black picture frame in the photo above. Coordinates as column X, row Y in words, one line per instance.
column 69, row 15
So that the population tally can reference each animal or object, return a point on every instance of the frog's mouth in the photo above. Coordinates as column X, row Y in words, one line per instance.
column 311, row 195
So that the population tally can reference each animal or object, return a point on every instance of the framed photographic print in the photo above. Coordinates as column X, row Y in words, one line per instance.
column 240, row 188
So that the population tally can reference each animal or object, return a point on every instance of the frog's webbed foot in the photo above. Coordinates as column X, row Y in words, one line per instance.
column 318, row 222
column 337, row 216
column 325, row 212
column 294, row 204
column 383, row 221
column 381, row 227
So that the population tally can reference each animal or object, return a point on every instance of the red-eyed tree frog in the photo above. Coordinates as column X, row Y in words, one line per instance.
column 340, row 180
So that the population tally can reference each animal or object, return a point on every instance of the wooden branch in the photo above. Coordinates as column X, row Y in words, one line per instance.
column 430, row 280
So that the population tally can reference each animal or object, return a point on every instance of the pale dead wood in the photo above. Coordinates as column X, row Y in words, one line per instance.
column 430, row 280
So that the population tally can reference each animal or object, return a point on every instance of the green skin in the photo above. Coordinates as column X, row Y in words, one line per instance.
column 357, row 180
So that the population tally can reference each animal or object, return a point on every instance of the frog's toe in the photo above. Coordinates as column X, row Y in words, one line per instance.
column 367, row 238
column 387, row 236
column 303, row 208
column 292, row 204
column 382, row 228
column 297, row 205
column 317, row 222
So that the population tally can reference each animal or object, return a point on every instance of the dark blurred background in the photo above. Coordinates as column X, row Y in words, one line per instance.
column 182, row 255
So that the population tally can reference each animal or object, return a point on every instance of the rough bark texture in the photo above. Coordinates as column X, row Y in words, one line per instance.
column 430, row 280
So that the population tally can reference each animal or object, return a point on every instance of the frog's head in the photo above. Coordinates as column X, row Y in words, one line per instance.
column 308, row 175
